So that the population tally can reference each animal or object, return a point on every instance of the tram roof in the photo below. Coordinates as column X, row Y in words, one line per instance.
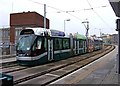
column 50, row 32
column 42, row 32
column 36, row 31
column 79, row 36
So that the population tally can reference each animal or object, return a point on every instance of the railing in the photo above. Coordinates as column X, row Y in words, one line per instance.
column 10, row 49
column 7, row 56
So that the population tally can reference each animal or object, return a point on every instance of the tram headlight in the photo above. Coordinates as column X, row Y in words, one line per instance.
column 28, row 53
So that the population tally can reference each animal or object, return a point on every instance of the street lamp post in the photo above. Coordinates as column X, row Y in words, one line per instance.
column 44, row 17
column 65, row 23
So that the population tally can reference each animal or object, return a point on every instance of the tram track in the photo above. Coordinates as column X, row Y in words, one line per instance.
column 53, row 69
column 12, row 64
column 13, row 69
column 8, row 64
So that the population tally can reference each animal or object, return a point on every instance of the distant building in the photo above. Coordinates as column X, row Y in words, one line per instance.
column 110, row 39
column 4, row 41
column 115, row 39
column 4, row 35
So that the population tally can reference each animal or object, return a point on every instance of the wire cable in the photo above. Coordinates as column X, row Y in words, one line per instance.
column 68, row 12
column 98, row 14
column 58, row 10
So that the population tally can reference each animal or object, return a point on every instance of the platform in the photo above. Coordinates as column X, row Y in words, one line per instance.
column 102, row 71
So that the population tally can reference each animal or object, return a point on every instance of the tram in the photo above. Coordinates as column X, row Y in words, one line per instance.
column 36, row 47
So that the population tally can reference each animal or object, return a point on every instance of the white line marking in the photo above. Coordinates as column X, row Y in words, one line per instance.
column 52, row 75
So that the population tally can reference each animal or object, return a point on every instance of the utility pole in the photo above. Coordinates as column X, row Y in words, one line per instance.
column 100, row 33
column 87, row 29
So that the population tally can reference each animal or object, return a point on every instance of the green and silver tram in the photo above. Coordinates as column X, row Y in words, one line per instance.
column 37, row 47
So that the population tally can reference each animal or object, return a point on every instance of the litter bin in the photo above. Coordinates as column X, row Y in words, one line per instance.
column 6, row 80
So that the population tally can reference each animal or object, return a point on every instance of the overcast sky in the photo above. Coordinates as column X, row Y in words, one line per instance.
column 101, row 18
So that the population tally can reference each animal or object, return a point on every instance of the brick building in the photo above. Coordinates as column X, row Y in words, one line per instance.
column 25, row 19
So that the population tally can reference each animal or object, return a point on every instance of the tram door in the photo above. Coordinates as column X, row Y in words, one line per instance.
column 85, row 47
column 50, row 49
column 77, row 47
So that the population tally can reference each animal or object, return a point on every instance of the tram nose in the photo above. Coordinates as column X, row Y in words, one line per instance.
column 21, row 54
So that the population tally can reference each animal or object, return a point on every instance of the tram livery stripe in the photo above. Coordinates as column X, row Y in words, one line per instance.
column 32, row 58
column 62, row 51
column 42, row 55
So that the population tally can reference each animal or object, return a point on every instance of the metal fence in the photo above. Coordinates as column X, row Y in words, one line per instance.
column 8, row 50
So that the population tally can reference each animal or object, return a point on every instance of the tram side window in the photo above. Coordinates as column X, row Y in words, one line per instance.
column 96, row 43
column 58, row 44
column 37, row 44
column 85, row 43
column 66, row 43
column 81, row 44
column 34, row 47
